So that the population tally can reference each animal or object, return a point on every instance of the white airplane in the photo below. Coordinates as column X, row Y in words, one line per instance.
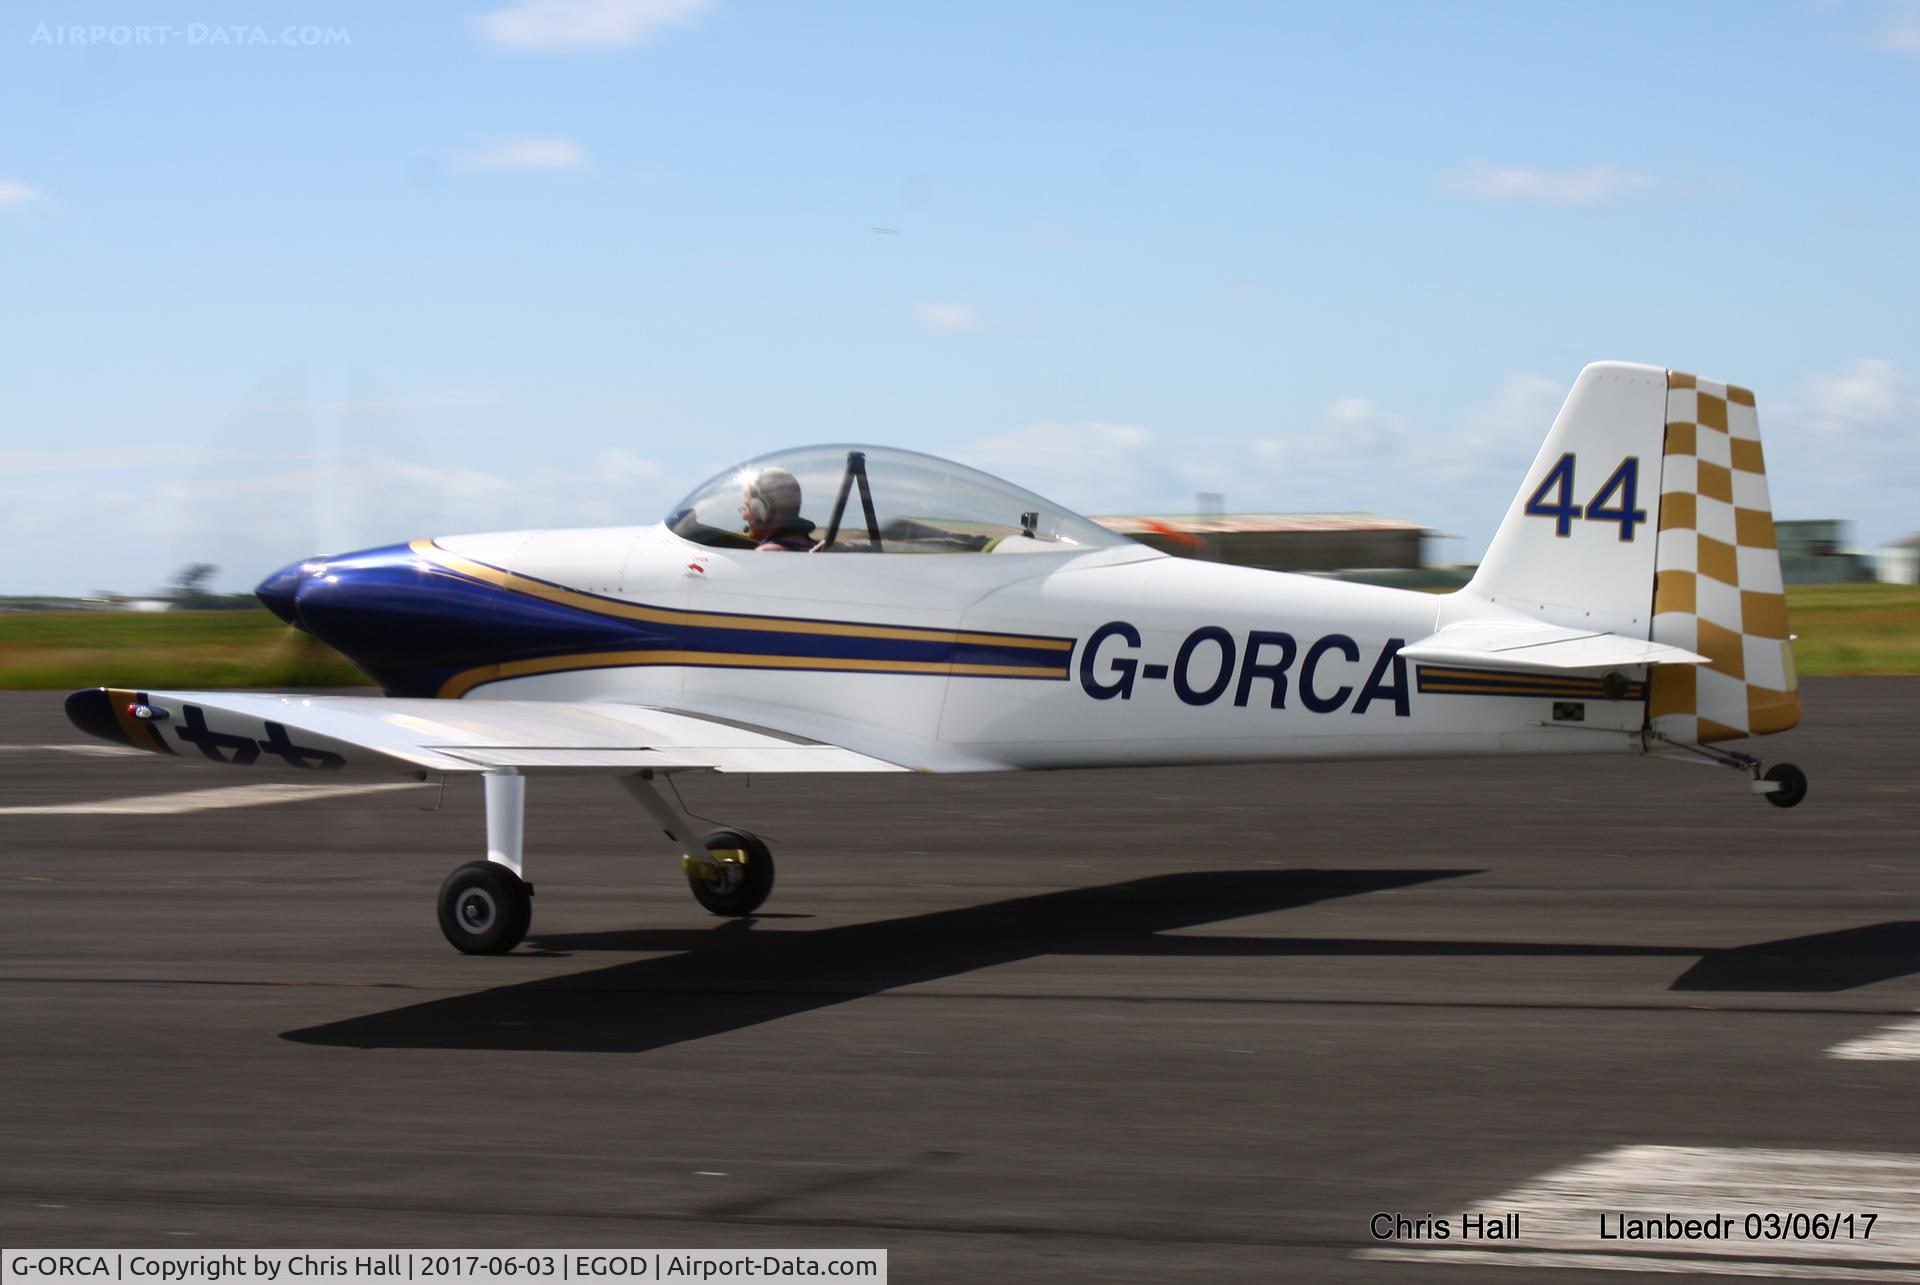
column 1631, row 603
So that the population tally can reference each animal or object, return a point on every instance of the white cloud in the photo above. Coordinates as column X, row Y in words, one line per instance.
column 1357, row 414
column 1091, row 466
column 1454, row 471
column 1514, row 184
column 1843, row 445
column 21, row 463
column 550, row 154
column 1333, row 462
column 1065, row 441
column 617, row 465
column 414, row 400
column 948, row 318
column 1870, row 394
column 250, row 520
column 583, row 24
column 1900, row 39
column 14, row 196
column 1498, row 436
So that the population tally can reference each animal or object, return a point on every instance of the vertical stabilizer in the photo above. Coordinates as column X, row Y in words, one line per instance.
column 1646, row 515
column 1577, row 545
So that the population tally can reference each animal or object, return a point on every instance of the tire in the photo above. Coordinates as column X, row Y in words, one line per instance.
column 485, row 909
column 1793, row 785
column 746, row 884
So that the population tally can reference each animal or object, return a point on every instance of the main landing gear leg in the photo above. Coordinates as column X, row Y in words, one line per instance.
column 486, row 906
column 730, row 871
column 1782, row 785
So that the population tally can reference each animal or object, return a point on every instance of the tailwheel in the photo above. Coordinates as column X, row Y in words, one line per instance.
column 1791, row 785
column 485, row 908
column 740, row 877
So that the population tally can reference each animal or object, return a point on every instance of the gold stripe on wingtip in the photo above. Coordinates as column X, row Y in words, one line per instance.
column 504, row 579
column 143, row 734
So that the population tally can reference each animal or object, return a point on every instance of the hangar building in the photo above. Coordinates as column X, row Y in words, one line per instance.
column 1815, row 552
column 1899, row 562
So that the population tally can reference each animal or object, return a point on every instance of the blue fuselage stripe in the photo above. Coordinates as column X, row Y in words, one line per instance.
column 412, row 626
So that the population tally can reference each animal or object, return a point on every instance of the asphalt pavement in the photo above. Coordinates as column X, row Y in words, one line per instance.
column 1154, row 1025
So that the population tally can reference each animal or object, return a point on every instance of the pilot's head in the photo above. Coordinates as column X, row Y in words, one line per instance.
column 770, row 501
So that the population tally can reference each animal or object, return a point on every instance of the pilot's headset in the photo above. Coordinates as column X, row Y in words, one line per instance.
column 773, row 491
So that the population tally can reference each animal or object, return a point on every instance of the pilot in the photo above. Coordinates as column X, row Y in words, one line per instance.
column 770, row 503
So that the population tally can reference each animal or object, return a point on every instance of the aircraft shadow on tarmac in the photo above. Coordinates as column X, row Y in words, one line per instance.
column 730, row 977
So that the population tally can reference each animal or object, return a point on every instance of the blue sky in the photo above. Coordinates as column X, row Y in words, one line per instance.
column 350, row 274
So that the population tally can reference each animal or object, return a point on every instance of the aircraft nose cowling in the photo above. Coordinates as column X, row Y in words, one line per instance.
column 279, row 591
column 405, row 622
column 412, row 623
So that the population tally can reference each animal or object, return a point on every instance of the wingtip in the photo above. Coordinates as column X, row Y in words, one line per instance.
column 91, row 710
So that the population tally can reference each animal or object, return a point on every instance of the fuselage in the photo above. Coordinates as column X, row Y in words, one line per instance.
column 1014, row 658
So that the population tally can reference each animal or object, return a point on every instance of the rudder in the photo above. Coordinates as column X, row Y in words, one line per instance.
column 1717, row 588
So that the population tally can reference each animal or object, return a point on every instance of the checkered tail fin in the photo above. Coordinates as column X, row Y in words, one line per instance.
column 1717, row 586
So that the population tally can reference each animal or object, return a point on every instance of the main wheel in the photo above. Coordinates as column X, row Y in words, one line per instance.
column 1793, row 785
column 745, row 875
column 485, row 909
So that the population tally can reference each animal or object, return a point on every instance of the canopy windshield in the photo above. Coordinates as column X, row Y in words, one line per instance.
column 841, row 499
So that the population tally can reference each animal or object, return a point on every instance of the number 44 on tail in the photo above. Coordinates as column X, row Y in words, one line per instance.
column 1621, row 490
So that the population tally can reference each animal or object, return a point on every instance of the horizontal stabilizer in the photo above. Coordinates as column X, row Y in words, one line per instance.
column 1528, row 645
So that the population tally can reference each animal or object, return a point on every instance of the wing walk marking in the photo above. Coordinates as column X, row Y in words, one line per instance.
column 462, row 683
column 236, row 796
column 532, row 587
column 1899, row 1042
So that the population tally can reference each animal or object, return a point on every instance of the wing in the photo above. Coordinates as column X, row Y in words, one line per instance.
column 1549, row 648
column 331, row 733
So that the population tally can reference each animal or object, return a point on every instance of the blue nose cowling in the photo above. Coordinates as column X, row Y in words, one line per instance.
column 277, row 592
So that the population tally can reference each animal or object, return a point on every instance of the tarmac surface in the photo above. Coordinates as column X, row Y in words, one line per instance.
column 1151, row 1025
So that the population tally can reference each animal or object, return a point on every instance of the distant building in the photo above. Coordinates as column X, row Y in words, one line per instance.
column 1899, row 562
column 1815, row 552
column 1282, row 541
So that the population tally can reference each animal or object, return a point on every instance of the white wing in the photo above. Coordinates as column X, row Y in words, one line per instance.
column 329, row 733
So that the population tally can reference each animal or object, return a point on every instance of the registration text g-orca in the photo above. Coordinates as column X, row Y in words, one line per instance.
column 1213, row 663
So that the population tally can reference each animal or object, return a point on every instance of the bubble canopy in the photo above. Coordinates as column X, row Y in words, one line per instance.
column 867, row 499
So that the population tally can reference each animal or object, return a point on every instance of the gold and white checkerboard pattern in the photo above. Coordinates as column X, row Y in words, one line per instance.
column 1718, row 590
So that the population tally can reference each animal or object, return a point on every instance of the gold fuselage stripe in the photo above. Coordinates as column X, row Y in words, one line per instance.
column 1507, row 678
column 433, row 553
column 462, row 683
column 1632, row 693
